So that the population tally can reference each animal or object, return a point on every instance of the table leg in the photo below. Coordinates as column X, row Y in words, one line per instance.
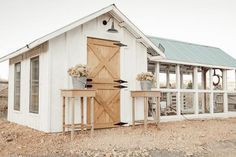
column 145, row 112
column 133, row 111
column 158, row 110
column 63, row 113
column 156, row 114
column 92, row 115
column 72, row 117
column 82, row 114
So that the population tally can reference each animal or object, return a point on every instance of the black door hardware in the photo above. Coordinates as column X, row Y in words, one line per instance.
column 120, row 81
column 89, row 80
column 89, row 86
column 120, row 86
column 120, row 44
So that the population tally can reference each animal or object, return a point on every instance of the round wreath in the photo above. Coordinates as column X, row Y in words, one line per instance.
column 218, row 81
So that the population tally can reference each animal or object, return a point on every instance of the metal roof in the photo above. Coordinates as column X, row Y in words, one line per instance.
column 194, row 53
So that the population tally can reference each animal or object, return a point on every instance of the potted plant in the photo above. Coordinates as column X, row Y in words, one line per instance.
column 146, row 80
column 79, row 75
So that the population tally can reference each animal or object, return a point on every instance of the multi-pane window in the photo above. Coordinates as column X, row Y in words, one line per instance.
column 34, row 85
column 17, row 81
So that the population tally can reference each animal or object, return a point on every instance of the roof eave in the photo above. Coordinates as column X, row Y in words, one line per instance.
column 57, row 32
column 158, row 59
column 147, row 42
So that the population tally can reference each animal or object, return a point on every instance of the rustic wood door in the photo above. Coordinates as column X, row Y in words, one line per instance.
column 104, row 68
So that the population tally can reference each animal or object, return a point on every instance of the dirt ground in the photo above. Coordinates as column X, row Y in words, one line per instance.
column 173, row 139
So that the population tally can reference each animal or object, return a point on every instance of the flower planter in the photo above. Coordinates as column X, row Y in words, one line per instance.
column 146, row 85
column 79, row 82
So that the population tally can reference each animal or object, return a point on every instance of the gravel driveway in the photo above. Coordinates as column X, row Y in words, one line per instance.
column 173, row 139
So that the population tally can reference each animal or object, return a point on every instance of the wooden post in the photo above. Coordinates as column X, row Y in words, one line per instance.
column 63, row 113
column 157, row 74
column 92, row 115
column 82, row 114
column 157, row 110
column 133, row 111
column 145, row 112
column 225, row 91
column 72, row 117
column 177, row 70
column 204, row 100
column 195, row 85
column 235, row 81
column 212, row 94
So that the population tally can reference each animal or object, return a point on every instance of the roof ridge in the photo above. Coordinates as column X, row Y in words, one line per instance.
column 184, row 42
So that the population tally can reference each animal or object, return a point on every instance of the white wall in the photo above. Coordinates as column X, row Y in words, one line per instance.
column 71, row 48
column 38, row 121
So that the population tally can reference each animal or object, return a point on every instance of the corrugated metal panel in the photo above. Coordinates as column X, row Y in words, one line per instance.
column 193, row 53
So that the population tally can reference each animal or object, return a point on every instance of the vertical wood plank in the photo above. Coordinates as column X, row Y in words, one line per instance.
column 92, row 115
column 133, row 111
column 82, row 113
column 72, row 117
column 63, row 113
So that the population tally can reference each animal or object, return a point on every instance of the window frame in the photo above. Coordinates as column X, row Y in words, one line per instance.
column 31, row 105
column 18, row 107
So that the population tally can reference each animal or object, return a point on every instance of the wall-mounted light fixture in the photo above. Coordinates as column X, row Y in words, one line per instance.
column 112, row 29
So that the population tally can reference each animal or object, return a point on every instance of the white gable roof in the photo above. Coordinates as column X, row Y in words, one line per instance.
column 85, row 17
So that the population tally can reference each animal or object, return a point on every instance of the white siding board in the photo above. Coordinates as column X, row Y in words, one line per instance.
column 74, row 51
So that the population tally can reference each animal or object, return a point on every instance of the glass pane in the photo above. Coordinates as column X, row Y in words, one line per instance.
column 186, row 100
column 232, row 102
column 164, row 77
column 17, row 86
column 34, row 86
column 186, row 75
column 218, row 102
column 204, row 102
column 168, row 104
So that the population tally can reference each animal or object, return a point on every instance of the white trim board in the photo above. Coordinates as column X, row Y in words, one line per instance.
column 157, row 59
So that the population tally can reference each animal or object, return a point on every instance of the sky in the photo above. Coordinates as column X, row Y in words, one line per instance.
column 206, row 22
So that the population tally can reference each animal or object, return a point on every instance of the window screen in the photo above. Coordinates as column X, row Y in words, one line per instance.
column 34, row 85
column 17, row 86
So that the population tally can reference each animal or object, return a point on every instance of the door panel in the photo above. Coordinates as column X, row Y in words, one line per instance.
column 104, row 68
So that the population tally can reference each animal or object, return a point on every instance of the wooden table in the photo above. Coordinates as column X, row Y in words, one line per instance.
column 71, row 94
column 146, row 95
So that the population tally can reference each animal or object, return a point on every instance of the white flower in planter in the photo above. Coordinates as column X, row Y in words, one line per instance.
column 79, row 75
column 146, row 80
column 78, row 70
column 146, row 76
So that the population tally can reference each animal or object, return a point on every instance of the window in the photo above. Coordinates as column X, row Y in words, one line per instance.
column 34, row 85
column 17, row 86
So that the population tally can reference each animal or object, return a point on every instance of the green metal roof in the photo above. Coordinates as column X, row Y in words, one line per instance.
column 194, row 53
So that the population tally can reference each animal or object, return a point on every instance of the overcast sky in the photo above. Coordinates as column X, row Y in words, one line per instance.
column 207, row 22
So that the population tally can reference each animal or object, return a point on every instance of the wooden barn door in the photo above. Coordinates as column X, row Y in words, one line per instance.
column 104, row 67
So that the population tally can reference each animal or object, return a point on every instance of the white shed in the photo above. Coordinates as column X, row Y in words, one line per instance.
column 194, row 80
column 39, row 70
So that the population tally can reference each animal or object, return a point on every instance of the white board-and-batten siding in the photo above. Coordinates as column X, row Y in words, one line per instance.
column 65, row 51
column 71, row 49
column 38, row 121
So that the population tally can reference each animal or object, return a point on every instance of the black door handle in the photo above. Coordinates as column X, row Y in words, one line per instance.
column 120, row 81
column 120, row 86
column 89, row 80
column 89, row 86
